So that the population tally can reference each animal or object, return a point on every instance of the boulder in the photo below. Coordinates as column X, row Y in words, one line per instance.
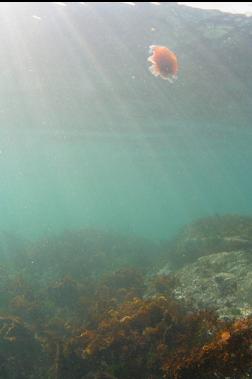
column 221, row 281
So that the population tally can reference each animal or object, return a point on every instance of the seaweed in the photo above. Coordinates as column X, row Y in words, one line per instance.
column 113, row 322
column 21, row 353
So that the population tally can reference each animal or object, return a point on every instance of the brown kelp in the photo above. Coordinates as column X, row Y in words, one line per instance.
column 117, row 320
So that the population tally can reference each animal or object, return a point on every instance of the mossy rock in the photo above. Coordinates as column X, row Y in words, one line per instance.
column 211, row 235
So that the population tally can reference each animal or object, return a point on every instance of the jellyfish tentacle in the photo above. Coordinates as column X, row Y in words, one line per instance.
column 153, row 70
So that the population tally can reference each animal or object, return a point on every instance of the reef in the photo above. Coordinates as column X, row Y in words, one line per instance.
column 210, row 235
column 110, row 317
column 220, row 281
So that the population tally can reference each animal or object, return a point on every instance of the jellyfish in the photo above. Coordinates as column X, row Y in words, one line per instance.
column 164, row 63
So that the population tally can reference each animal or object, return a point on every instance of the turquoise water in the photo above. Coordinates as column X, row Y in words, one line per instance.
column 143, row 185
column 125, row 252
column 90, row 139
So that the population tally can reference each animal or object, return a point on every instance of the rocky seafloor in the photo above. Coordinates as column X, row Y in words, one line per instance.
column 212, row 262
column 94, row 305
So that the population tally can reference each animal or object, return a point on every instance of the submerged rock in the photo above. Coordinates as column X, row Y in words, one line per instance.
column 211, row 235
column 222, row 281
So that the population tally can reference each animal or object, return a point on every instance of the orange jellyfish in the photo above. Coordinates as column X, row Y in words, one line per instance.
column 164, row 63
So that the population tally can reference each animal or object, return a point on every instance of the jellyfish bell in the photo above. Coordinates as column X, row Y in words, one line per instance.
column 164, row 63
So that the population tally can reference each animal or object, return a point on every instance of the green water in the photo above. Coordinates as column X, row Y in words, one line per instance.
column 131, row 185
column 125, row 250
column 89, row 138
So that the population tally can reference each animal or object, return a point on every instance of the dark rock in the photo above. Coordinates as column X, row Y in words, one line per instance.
column 211, row 235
